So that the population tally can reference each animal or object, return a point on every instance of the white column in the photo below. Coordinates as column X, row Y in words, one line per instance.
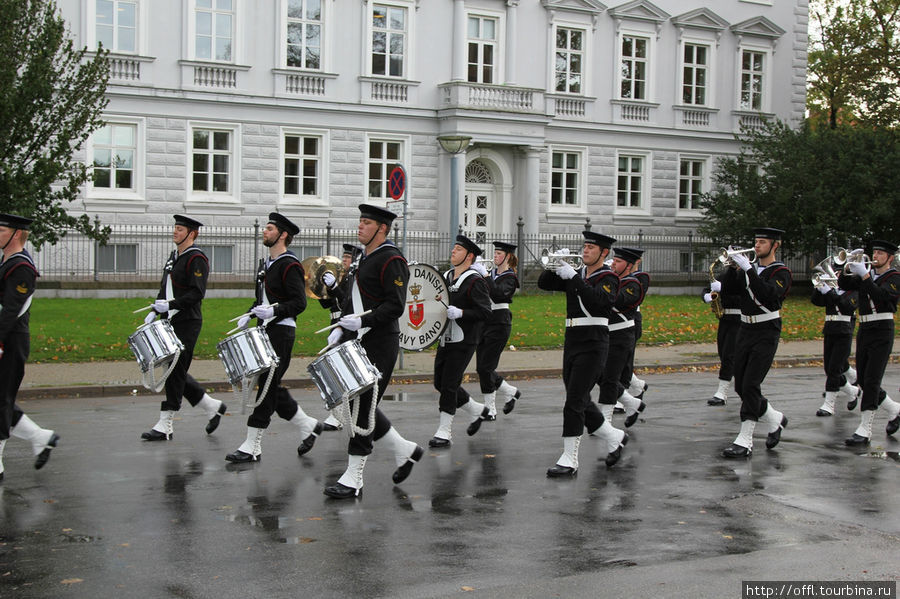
column 458, row 62
column 511, row 45
column 531, row 197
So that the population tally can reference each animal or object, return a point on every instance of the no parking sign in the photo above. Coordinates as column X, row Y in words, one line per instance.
column 397, row 183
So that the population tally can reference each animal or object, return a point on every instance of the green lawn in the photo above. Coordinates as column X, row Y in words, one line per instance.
column 82, row 330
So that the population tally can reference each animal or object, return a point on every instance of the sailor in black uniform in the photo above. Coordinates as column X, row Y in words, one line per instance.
column 17, row 280
column 590, row 294
column 633, row 385
column 879, row 290
column 840, row 319
column 502, row 282
column 280, row 298
column 379, row 286
column 762, row 287
column 469, row 309
column 180, row 296
column 726, row 335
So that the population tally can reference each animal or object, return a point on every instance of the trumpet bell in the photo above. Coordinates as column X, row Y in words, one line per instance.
column 552, row 260
column 725, row 254
column 315, row 268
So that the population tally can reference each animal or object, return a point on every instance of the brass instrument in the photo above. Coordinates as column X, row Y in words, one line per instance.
column 857, row 255
column 315, row 268
column 716, row 303
column 725, row 255
column 823, row 272
column 487, row 263
column 553, row 260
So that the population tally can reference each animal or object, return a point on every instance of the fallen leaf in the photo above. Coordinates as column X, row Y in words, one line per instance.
column 71, row 581
column 467, row 588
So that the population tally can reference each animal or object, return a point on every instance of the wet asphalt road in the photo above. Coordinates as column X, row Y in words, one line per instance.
column 112, row 516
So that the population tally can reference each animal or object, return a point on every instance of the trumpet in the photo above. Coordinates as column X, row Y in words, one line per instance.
column 487, row 263
column 823, row 278
column 856, row 255
column 553, row 260
column 725, row 255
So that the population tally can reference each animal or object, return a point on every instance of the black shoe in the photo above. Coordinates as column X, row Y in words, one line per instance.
column 239, row 457
column 633, row 418
column 328, row 427
column 307, row 443
column 1, row 477
column 613, row 456
column 476, row 424
column 856, row 440
column 510, row 405
column 557, row 471
column 715, row 401
column 437, row 442
column 644, row 390
column 893, row 425
column 213, row 423
column 155, row 435
column 823, row 413
column 490, row 418
column 736, row 451
column 42, row 457
column 401, row 473
column 851, row 405
column 342, row 491
column 618, row 410
column 773, row 438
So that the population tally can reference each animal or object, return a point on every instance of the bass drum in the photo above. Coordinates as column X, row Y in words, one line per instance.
column 425, row 318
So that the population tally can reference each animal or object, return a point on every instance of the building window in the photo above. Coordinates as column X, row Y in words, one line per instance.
column 690, row 184
column 116, row 22
column 692, row 261
column 117, row 258
column 383, row 157
column 694, row 74
column 213, row 29
column 630, row 181
column 211, row 160
column 388, row 40
column 569, row 60
column 482, row 50
column 302, row 159
column 634, row 68
column 565, row 171
column 752, row 64
column 114, row 149
column 221, row 258
column 304, row 34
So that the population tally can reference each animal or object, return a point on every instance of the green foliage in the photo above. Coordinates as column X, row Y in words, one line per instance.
column 51, row 99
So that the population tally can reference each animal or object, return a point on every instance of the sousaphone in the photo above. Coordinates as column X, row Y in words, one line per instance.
column 315, row 268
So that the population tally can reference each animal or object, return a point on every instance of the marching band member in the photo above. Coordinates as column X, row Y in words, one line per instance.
column 470, row 307
column 280, row 298
column 502, row 282
column 726, row 335
column 17, row 280
column 763, row 288
column 840, row 307
column 633, row 385
column 590, row 294
column 379, row 285
column 879, row 290
column 180, row 296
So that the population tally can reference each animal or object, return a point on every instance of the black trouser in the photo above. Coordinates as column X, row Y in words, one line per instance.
column 621, row 344
column 449, row 367
column 180, row 383
column 487, row 357
column 725, row 340
column 873, row 351
column 382, row 351
column 278, row 399
column 836, row 363
column 12, row 370
column 581, row 362
column 754, row 351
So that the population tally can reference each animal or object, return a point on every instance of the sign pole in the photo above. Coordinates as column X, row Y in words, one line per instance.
column 397, row 187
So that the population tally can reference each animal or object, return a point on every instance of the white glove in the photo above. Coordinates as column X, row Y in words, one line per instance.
column 161, row 306
column 243, row 321
column 1, row 353
column 563, row 251
column 334, row 337
column 859, row 269
column 741, row 261
column 715, row 286
column 823, row 289
column 263, row 312
column 480, row 269
column 565, row 271
column 453, row 312
column 708, row 298
column 351, row 323
column 150, row 317
column 329, row 280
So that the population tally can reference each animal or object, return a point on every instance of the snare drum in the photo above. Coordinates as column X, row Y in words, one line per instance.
column 247, row 354
column 343, row 371
column 154, row 344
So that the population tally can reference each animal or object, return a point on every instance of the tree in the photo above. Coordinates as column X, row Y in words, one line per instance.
column 51, row 99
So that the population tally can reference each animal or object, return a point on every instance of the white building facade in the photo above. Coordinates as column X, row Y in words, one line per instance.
column 228, row 109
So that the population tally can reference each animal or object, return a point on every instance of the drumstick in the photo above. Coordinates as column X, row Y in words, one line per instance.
column 335, row 325
column 144, row 309
column 245, row 314
column 438, row 298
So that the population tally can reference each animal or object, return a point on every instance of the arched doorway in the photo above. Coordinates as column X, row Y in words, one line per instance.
column 479, row 201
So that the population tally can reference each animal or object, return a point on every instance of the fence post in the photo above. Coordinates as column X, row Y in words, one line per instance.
column 96, row 248
column 587, row 223
column 328, row 238
column 520, row 243
column 640, row 238
column 690, row 257
column 255, row 246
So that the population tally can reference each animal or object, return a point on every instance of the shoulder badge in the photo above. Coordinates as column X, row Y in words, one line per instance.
column 197, row 273
column 22, row 288
column 607, row 288
column 629, row 291
column 398, row 282
column 779, row 283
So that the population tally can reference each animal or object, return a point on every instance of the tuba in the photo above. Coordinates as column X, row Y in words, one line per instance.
column 314, row 269
column 553, row 260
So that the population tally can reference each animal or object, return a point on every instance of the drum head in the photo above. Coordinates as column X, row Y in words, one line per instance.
column 425, row 317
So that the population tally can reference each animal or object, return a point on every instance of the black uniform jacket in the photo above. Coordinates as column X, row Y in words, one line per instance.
column 598, row 294
column 190, row 270
column 502, row 286
column 382, row 277
column 17, row 279
column 338, row 295
column 881, row 294
column 474, row 299
column 284, row 284
column 835, row 304
column 629, row 298
column 768, row 287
